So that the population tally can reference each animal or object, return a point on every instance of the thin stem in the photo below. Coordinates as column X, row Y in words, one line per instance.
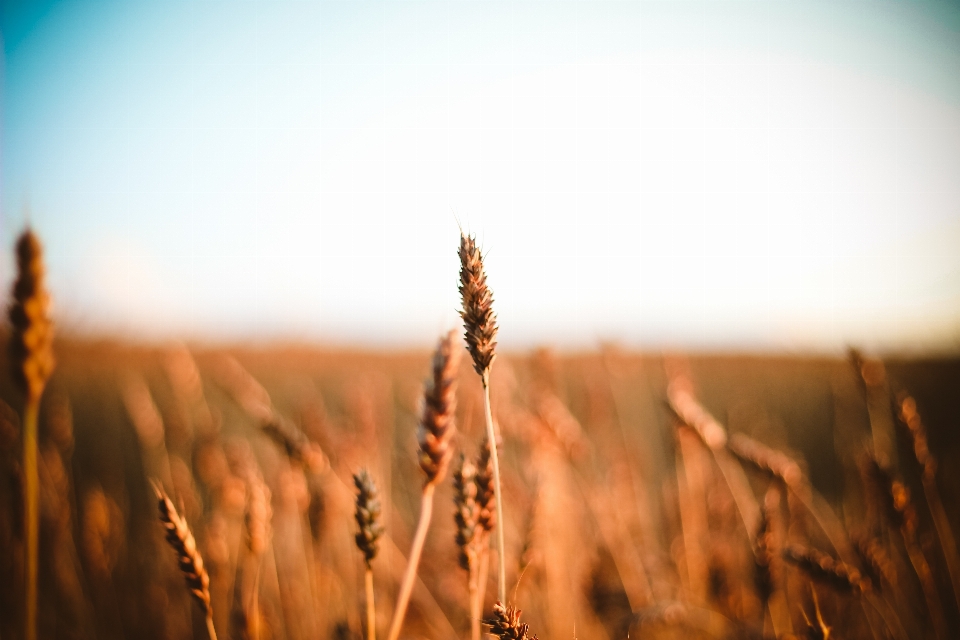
column 944, row 533
column 210, row 630
column 410, row 573
column 472, row 578
column 371, row 608
column 253, row 617
column 482, row 576
column 31, row 490
column 492, row 438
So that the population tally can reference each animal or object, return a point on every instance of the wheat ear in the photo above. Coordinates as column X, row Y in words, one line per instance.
column 505, row 624
column 823, row 568
column 465, row 518
column 480, row 332
column 191, row 563
column 258, row 531
column 31, row 357
column 910, row 418
column 435, row 437
column 367, row 538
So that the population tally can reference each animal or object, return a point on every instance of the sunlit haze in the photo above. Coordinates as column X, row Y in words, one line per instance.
column 758, row 175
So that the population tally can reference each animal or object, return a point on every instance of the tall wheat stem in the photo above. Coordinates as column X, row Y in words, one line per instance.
column 410, row 573
column 371, row 608
column 32, row 507
column 472, row 580
column 491, row 436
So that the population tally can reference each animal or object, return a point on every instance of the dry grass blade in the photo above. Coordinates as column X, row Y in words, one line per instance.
column 32, row 362
column 180, row 538
column 505, row 624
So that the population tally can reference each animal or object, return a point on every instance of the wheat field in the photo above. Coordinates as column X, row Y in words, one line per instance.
column 617, row 517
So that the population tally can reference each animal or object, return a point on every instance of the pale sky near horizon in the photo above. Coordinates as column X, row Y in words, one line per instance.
column 760, row 175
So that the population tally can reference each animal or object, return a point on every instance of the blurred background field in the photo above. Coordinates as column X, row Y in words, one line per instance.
column 592, row 457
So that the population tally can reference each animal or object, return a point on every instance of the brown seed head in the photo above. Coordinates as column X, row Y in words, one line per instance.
column 910, row 417
column 181, row 539
column 505, row 624
column 465, row 515
column 367, row 515
column 437, row 428
column 258, row 514
column 31, row 342
column 825, row 569
column 479, row 321
column 486, row 498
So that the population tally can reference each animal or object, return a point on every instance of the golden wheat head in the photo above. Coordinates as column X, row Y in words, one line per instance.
column 486, row 498
column 367, row 515
column 181, row 540
column 505, row 624
column 465, row 514
column 31, row 342
column 479, row 321
column 435, row 434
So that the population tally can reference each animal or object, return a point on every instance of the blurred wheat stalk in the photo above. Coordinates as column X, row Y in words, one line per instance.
column 31, row 357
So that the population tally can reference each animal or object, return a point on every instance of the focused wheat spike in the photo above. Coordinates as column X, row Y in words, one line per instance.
column 486, row 498
column 479, row 321
column 823, row 568
column 191, row 564
column 367, row 515
column 31, row 342
column 436, row 430
column 505, row 624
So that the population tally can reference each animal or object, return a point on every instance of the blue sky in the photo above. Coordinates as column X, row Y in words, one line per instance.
column 765, row 175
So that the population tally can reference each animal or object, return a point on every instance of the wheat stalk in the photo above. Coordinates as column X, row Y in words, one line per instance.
column 367, row 538
column 910, row 418
column 181, row 540
column 435, row 437
column 468, row 534
column 480, row 332
column 31, row 358
column 257, row 519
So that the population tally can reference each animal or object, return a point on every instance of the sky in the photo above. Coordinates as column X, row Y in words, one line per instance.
column 714, row 175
